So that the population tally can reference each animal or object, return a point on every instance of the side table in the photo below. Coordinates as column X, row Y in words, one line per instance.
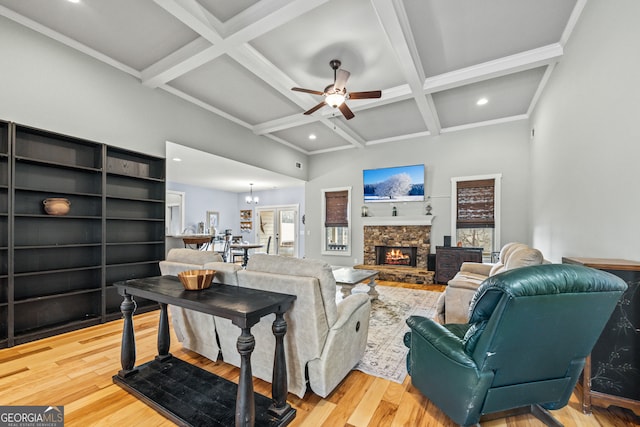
column 187, row 394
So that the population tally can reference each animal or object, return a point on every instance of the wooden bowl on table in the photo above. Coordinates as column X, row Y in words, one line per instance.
column 196, row 280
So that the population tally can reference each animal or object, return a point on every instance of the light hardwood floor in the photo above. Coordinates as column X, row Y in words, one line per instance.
column 74, row 370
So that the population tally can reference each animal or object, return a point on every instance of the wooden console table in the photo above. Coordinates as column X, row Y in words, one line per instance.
column 611, row 372
column 187, row 394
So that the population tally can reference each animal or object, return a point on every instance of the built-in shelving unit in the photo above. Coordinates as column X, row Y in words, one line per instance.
column 57, row 271
column 4, row 232
column 135, row 200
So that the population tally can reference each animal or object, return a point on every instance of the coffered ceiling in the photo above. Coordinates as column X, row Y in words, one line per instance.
column 432, row 59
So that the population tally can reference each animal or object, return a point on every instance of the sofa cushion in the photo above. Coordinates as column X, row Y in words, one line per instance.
column 467, row 280
column 301, row 267
column 193, row 256
column 523, row 257
column 226, row 272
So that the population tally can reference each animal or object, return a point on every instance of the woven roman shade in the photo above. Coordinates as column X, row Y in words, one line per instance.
column 336, row 205
column 475, row 204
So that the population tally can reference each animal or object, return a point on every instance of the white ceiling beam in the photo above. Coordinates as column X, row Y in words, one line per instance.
column 185, row 59
column 262, row 68
column 332, row 149
column 287, row 143
column 283, row 123
column 255, row 21
column 265, row 16
column 345, row 132
column 571, row 23
column 194, row 16
column 398, row 138
column 394, row 22
column 204, row 105
column 486, row 123
column 491, row 69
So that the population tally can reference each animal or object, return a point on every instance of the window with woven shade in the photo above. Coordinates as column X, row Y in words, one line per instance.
column 475, row 204
column 475, row 213
column 336, row 208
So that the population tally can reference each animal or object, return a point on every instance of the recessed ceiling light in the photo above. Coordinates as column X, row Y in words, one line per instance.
column 73, row 1
column 177, row 159
column 312, row 136
column 482, row 101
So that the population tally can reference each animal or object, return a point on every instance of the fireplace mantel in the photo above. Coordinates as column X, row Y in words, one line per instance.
column 398, row 220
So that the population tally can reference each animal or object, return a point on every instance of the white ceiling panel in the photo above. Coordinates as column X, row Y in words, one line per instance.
column 383, row 122
column 507, row 96
column 455, row 34
column 225, row 10
column 325, row 139
column 227, row 85
column 348, row 31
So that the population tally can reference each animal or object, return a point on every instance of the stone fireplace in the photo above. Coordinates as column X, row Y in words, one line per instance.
column 390, row 242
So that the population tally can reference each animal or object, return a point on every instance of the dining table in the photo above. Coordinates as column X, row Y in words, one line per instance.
column 245, row 247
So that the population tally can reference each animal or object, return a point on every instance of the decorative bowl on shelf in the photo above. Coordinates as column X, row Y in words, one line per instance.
column 56, row 206
column 196, row 280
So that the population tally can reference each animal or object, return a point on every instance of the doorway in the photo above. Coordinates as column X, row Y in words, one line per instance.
column 174, row 217
column 277, row 229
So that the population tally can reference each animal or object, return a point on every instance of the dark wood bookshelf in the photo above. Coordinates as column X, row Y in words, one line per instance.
column 56, row 272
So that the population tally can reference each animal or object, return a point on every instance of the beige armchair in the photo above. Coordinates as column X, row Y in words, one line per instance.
column 324, row 340
column 453, row 304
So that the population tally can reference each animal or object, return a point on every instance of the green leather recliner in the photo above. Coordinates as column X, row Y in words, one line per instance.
column 525, row 345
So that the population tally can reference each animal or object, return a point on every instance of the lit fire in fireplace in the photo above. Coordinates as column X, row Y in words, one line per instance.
column 395, row 256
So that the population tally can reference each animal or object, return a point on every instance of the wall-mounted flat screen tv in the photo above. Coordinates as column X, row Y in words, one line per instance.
column 396, row 184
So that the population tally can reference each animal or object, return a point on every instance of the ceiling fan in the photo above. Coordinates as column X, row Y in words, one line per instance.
column 336, row 94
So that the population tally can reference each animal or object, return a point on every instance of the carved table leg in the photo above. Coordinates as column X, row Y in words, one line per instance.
column 245, row 405
column 128, row 346
column 279, row 407
column 163, row 335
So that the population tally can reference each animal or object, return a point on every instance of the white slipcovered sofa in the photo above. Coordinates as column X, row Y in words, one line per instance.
column 453, row 304
column 324, row 339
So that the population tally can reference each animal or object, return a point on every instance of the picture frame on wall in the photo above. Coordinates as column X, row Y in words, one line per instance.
column 213, row 220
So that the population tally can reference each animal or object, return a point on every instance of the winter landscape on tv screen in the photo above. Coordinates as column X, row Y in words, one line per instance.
column 396, row 184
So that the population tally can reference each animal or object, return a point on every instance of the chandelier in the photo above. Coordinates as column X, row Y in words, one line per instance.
column 250, row 199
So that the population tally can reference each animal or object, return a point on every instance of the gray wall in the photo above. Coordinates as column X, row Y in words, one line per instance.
column 501, row 149
column 586, row 147
column 50, row 86
column 199, row 200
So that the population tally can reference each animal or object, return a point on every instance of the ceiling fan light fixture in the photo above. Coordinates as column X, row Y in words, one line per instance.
column 334, row 99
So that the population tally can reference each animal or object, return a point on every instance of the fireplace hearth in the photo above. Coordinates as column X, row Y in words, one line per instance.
column 397, row 255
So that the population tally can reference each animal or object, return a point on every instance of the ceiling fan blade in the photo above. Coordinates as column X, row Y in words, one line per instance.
column 341, row 79
column 365, row 95
column 314, row 109
column 315, row 92
column 346, row 111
